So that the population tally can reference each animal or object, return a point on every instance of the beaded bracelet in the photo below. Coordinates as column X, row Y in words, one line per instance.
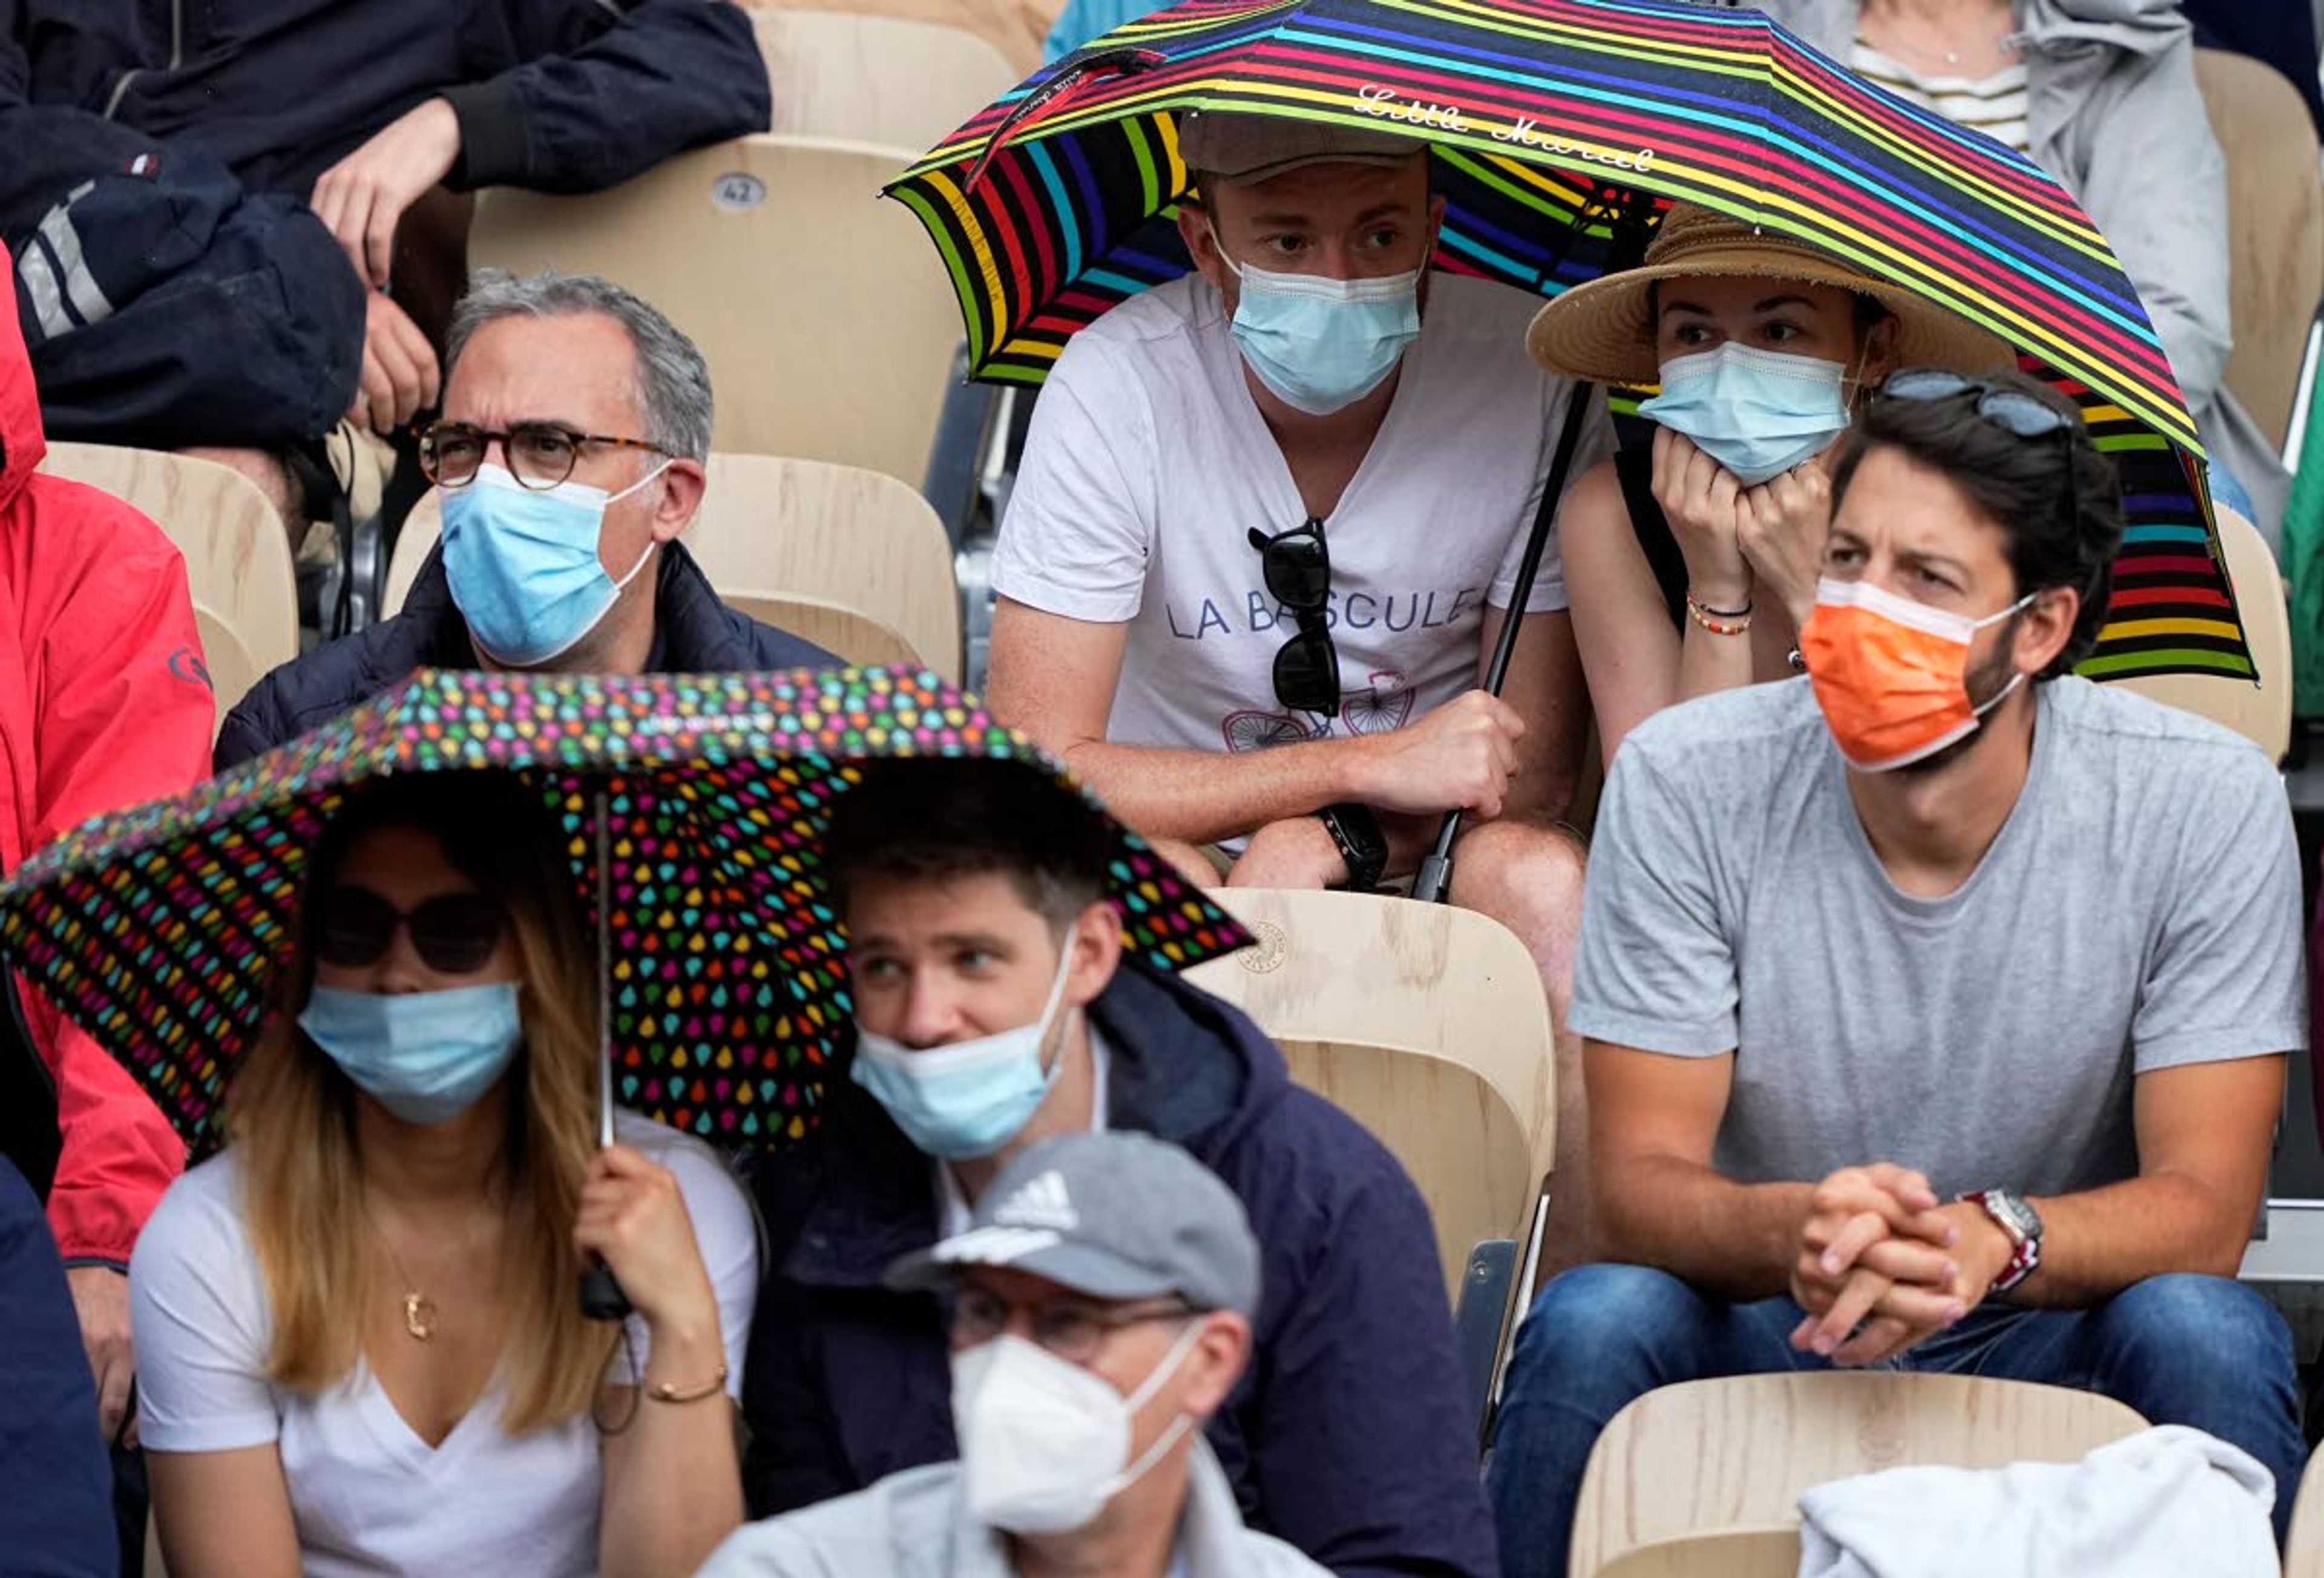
column 662, row 1391
column 1719, row 621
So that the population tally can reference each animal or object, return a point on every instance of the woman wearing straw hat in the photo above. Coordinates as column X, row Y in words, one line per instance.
column 1692, row 561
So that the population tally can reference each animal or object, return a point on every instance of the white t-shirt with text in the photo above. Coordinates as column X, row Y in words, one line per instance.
column 368, row 1495
column 1148, row 464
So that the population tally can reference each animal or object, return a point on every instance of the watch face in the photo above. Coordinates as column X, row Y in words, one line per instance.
column 2020, row 1213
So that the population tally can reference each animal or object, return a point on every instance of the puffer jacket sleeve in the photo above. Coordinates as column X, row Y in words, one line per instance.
column 575, row 95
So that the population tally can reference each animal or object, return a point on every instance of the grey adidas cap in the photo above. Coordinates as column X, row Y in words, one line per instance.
column 1115, row 1216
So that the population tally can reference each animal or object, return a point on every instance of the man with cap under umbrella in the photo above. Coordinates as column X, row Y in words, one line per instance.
column 1266, row 535
column 1100, row 1306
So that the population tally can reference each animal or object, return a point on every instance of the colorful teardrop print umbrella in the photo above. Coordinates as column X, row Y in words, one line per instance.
column 1548, row 118
column 161, row 929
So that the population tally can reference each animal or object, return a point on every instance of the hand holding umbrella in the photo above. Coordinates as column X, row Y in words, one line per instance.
column 633, row 1222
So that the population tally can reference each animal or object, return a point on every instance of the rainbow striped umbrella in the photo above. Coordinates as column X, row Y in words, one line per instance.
column 1550, row 121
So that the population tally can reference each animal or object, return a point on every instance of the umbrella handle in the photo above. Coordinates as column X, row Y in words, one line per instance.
column 602, row 1297
column 1433, row 881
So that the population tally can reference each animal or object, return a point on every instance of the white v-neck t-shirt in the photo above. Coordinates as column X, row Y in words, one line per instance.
column 368, row 1495
column 1148, row 464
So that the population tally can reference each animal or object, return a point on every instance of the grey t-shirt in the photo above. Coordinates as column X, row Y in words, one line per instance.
column 2139, row 910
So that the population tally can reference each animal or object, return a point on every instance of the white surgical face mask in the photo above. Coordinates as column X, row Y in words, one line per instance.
column 1044, row 1444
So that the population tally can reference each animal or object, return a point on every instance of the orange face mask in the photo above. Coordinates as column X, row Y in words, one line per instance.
column 1892, row 674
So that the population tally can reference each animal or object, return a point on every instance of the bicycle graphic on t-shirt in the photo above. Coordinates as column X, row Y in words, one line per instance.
column 1383, row 705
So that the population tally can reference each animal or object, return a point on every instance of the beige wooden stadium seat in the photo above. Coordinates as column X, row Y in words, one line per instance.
column 2303, row 1548
column 1016, row 29
column 2275, row 228
column 854, row 560
column 888, row 79
column 1428, row 1025
column 1730, row 1553
column 245, row 589
column 2261, row 713
column 1736, row 1452
column 823, row 309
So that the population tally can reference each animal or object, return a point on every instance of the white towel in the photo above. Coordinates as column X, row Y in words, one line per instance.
column 2170, row 1502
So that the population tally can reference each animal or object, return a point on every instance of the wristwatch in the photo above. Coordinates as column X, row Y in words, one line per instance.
column 2016, row 1216
column 1357, row 831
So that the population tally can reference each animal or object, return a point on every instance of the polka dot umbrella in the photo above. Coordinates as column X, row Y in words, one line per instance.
column 161, row 929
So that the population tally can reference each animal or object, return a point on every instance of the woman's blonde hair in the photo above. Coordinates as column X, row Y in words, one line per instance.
column 290, row 1113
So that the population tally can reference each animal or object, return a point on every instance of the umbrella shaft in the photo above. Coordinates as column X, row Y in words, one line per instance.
column 1433, row 881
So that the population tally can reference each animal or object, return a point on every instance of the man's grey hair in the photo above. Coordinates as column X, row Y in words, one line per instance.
column 672, row 386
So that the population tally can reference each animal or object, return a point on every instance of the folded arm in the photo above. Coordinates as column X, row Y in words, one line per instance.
column 575, row 95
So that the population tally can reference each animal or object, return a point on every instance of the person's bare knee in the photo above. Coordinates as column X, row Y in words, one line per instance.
column 1194, row 861
column 1528, row 878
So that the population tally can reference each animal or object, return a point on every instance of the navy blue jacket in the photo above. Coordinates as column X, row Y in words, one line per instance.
column 694, row 633
column 174, row 289
column 1347, row 1436
column 559, row 95
column 56, row 1509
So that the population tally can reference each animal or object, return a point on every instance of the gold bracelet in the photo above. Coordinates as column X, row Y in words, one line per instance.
column 1719, row 621
column 663, row 1392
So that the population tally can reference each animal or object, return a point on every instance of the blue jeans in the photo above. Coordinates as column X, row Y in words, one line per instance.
column 2181, row 1350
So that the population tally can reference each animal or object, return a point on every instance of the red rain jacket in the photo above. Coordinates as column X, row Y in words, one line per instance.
column 103, row 702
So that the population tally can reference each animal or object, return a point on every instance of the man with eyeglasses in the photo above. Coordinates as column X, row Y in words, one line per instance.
column 994, row 1012
column 1935, row 1003
column 576, row 419
column 1100, row 1302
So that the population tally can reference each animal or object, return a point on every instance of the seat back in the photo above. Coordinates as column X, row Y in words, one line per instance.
column 2275, row 228
column 893, row 81
column 1014, row 29
column 1424, row 1022
column 2303, row 1547
column 1728, row 1553
column 2259, row 712
column 823, row 309
column 851, row 560
column 1712, row 1454
column 238, row 566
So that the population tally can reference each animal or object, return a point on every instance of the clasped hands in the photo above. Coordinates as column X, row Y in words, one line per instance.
column 1881, row 1265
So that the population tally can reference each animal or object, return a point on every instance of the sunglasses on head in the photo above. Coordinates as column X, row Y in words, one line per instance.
column 1297, row 569
column 2013, row 410
column 454, row 932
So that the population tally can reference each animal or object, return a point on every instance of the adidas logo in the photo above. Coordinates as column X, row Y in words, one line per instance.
column 1039, row 1202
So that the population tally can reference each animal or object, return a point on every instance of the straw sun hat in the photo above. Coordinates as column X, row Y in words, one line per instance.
column 1603, row 330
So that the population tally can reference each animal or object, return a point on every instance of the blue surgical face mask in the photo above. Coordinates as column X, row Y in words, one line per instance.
column 424, row 1056
column 1322, row 344
column 969, row 1099
column 523, row 562
column 1758, row 413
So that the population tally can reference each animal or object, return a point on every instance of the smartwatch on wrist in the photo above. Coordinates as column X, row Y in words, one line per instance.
column 1362, row 845
column 2015, row 1215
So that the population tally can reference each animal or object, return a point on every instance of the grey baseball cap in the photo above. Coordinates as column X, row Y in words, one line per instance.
column 1240, row 149
column 1116, row 1215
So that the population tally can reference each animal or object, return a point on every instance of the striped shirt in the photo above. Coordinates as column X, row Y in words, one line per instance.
column 1995, row 104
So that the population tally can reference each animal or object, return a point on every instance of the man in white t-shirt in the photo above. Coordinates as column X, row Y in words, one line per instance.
column 1311, row 456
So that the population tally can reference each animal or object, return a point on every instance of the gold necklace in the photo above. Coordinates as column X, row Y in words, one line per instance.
column 419, row 1309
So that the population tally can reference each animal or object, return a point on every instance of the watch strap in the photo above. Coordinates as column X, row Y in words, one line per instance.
column 2024, row 1246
